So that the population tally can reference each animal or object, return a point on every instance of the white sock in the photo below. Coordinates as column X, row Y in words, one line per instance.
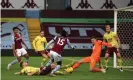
column 56, row 69
column 14, row 62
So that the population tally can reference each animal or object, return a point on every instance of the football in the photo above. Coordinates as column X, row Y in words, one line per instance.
column 69, row 70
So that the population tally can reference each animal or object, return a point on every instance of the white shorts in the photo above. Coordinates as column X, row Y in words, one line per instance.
column 55, row 56
column 21, row 52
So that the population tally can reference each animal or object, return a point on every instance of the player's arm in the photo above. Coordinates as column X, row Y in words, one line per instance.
column 104, row 39
column 18, row 73
column 50, row 42
column 13, row 46
column 45, row 42
column 31, row 73
column 69, row 44
column 24, row 44
column 34, row 43
column 106, row 44
column 21, row 72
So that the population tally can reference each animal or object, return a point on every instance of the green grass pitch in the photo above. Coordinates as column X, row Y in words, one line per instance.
column 81, row 73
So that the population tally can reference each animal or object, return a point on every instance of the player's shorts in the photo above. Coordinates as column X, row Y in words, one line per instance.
column 42, row 52
column 21, row 52
column 55, row 56
column 46, row 70
column 112, row 49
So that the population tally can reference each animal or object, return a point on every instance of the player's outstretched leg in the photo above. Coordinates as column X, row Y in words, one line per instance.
column 106, row 60
column 12, row 63
column 76, row 65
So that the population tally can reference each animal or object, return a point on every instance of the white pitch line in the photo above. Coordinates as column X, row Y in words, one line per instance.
column 103, row 65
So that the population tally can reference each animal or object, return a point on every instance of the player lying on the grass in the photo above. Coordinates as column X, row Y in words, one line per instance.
column 18, row 50
column 38, row 45
column 55, row 52
column 93, row 59
column 112, row 38
column 29, row 70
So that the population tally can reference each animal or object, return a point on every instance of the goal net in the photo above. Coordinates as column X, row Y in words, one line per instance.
column 123, row 26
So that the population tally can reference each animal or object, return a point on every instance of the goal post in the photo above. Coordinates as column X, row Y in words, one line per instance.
column 123, row 26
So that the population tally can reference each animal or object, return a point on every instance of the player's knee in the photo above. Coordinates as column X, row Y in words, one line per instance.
column 19, row 59
column 118, row 55
column 106, row 56
column 53, row 66
column 26, row 56
column 90, row 69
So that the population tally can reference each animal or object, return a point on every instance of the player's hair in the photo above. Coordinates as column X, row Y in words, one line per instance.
column 21, row 64
column 15, row 28
column 107, row 26
column 63, row 33
column 93, row 37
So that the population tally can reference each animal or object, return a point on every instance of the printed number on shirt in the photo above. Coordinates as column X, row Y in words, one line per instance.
column 60, row 41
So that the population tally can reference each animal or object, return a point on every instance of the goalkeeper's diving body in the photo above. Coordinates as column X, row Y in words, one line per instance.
column 93, row 59
column 112, row 38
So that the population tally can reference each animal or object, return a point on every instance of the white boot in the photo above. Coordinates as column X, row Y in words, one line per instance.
column 8, row 66
column 103, row 70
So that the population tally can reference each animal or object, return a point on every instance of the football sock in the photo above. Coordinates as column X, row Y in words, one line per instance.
column 106, row 62
column 119, row 62
column 56, row 68
column 14, row 62
column 76, row 65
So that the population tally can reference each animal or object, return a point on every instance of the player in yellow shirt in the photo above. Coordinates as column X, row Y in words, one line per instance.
column 112, row 38
column 39, row 46
column 29, row 70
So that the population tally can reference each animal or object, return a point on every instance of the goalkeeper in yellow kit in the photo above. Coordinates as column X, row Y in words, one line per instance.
column 39, row 46
column 112, row 38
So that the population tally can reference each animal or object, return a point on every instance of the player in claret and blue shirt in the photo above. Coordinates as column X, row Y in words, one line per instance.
column 55, row 52
column 18, row 50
